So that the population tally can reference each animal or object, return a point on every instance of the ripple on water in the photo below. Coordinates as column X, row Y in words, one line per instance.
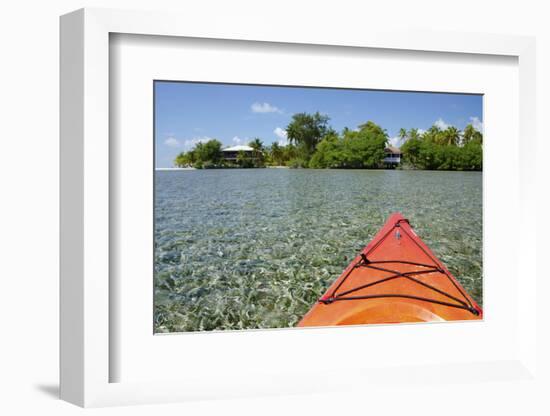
column 243, row 249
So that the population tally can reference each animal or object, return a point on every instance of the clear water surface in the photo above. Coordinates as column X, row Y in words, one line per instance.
column 255, row 248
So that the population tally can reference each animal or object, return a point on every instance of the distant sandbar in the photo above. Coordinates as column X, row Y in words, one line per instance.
column 176, row 168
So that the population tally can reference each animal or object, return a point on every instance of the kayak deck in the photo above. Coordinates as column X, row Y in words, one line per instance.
column 396, row 278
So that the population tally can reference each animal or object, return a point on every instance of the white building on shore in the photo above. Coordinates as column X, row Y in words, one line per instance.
column 230, row 153
column 392, row 156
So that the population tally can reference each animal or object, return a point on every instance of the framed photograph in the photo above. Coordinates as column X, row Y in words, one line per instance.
column 277, row 213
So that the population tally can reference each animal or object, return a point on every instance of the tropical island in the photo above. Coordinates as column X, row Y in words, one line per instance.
column 313, row 143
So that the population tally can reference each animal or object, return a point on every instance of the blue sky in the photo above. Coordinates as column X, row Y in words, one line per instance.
column 186, row 113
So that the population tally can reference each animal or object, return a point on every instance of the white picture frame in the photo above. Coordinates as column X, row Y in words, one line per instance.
column 86, row 356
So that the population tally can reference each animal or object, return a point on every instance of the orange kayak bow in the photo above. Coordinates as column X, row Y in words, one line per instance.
column 396, row 278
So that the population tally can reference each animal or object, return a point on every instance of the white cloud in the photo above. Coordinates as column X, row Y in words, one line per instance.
column 477, row 123
column 282, row 135
column 264, row 108
column 441, row 124
column 186, row 144
column 395, row 141
column 172, row 142
column 190, row 143
column 239, row 140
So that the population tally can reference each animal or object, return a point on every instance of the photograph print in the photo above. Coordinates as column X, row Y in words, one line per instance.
column 289, row 206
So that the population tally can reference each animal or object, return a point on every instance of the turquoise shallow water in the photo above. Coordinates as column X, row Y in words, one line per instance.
column 255, row 248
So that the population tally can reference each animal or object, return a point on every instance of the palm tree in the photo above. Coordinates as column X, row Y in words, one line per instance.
column 470, row 133
column 451, row 136
column 478, row 136
column 276, row 153
column 413, row 134
column 433, row 135
column 257, row 146
column 402, row 134
column 307, row 130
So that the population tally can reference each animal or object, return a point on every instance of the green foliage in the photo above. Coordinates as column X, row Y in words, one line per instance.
column 354, row 149
column 365, row 148
column 211, row 151
column 290, row 152
column 276, row 154
column 314, row 144
column 413, row 134
column 297, row 162
column 447, row 149
column 471, row 134
column 258, row 159
column 185, row 159
column 256, row 144
column 472, row 155
column 203, row 155
column 451, row 136
column 411, row 151
column 306, row 131
column 329, row 154
column 244, row 160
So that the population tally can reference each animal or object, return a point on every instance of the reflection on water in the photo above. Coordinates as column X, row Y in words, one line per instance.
column 240, row 249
